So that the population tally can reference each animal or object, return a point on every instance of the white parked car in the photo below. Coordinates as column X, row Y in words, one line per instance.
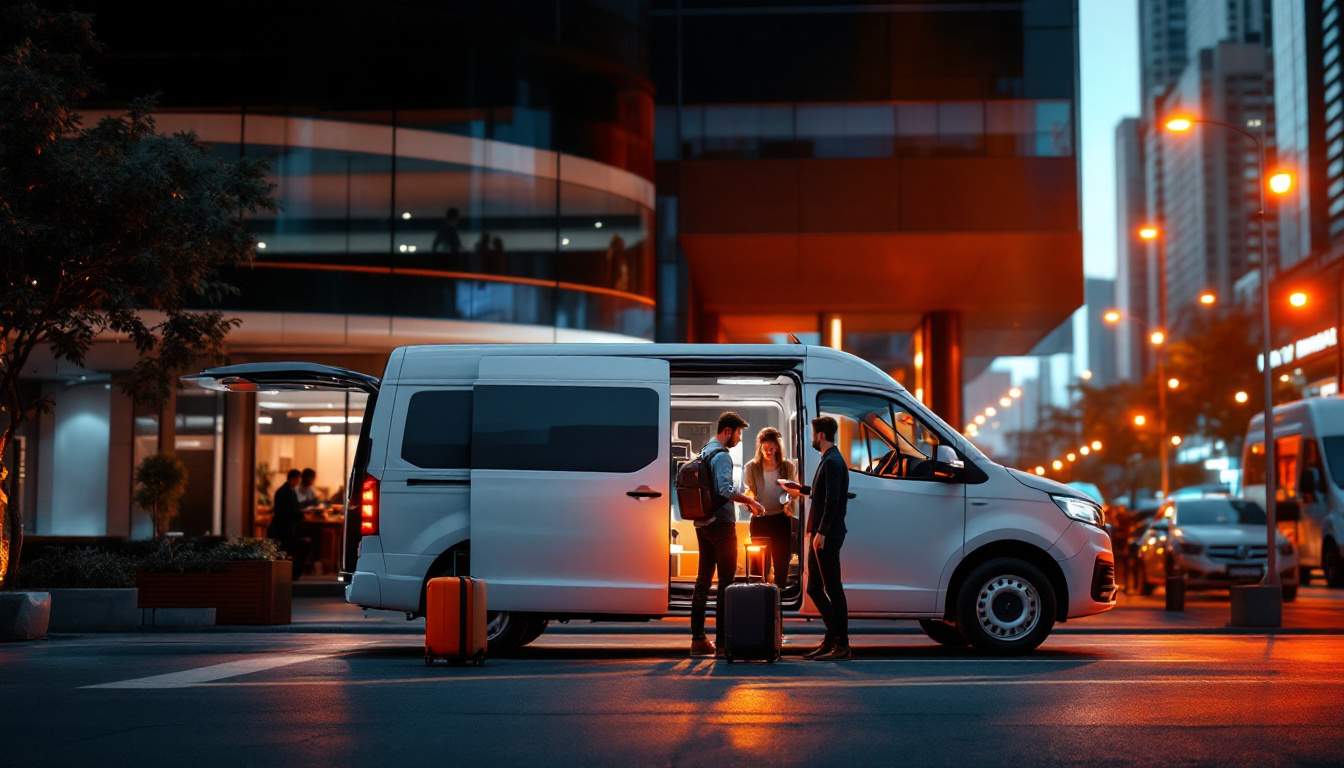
column 1216, row 541
column 547, row 472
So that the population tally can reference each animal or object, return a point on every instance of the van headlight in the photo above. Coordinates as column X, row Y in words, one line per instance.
column 1082, row 511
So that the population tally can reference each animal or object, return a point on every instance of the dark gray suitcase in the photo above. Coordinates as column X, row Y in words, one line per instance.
column 753, row 628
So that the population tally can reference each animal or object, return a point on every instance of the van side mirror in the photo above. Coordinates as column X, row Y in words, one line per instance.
column 946, row 464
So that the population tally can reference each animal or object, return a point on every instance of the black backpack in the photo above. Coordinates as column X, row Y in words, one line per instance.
column 697, row 494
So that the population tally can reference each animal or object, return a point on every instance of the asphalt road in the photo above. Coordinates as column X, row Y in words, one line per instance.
column 612, row 698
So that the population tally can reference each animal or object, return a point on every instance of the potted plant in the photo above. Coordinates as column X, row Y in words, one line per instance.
column 246, row 581
column 160, row 481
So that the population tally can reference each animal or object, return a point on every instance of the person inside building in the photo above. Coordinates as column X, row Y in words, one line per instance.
column 287, row 521
column 775, row 526
column 306, row 492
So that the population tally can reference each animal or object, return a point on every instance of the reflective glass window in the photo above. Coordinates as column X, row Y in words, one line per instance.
column 438, row 429
column 565, row 429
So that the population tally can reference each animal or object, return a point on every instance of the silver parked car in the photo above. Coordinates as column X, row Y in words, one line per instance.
column 1216, row 541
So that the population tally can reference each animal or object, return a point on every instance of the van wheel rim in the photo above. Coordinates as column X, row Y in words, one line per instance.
column 495, row 624
column 1008, row 607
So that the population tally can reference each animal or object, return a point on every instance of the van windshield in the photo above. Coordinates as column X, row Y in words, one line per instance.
column 1334, row 456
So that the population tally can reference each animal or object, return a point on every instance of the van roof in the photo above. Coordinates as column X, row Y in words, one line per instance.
column 1324, row 414
column 822, row 363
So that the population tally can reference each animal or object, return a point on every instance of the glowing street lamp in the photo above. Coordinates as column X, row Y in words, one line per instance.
column 1071, row 456
column 1281, row 182
column 1208, row 298
column 1111, row 316
column 1241, row 396
column 1057, row 465
column 1096, row 445
column 1157, row 338
column 1175, row 439
column 1149, row 232
column 1005, row 401
column 980, row 419
column 991, row 411
column 1173, row 383
column 1179, row 123
column 1040, row 470
column 1084, row 450
column 1298, row 299
column 1085, row 374
column 1140, row 420
column 1015, row 392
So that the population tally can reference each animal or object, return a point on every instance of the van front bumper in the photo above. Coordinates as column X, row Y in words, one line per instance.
column 1084, row 555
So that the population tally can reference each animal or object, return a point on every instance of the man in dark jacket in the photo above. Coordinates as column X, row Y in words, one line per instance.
column 826, row 534
column 287, row 519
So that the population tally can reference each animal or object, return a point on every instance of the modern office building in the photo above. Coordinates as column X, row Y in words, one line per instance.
column 1309, row 106
column 1133, row 282
column 1102, row 348
column 897, row 179
column 1211, row 177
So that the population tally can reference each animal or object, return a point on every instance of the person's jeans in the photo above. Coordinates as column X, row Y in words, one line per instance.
column 778, row 531
column 826, row 589
column 718, row 551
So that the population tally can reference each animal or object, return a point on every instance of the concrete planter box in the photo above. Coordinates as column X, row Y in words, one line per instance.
column 24, row 615
column 242, row 592
column 94, row 610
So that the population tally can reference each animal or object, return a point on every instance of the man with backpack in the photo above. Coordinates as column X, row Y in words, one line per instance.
column 717, row 532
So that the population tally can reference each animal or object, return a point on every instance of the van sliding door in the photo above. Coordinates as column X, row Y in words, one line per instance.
column 569, row 483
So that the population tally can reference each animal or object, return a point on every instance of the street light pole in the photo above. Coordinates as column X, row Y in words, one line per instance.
column 1159, row 351
column 1181, row 124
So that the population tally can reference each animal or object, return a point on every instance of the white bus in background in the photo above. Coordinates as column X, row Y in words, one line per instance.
column 1309, row 454
column 546, row 470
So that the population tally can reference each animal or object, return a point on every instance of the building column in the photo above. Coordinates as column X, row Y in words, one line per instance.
column 120, row 461
column 940, row 374
column 240, row 449
column 168, row 423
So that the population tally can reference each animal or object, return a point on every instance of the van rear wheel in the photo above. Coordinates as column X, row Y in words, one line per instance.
column 1006, row 606
column 943, row 632
column 507, row 631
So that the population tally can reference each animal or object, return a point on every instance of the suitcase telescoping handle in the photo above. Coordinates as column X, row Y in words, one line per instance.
column 755, row 545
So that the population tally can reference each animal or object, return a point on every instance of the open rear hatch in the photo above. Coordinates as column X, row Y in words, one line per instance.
column 295, row 376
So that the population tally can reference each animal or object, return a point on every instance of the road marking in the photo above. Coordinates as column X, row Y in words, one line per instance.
column 199, row 675
column 916, row 682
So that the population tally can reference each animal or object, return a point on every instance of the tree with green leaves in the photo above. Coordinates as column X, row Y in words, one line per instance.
column 160, row 482
column 108, row 231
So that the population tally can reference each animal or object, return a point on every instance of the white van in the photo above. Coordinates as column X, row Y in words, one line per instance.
column 1309, row 452
column 547, row 471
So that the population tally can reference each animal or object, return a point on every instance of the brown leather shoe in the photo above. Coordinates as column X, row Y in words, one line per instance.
column 821, row 650
column 838, row 653
column 701, row 647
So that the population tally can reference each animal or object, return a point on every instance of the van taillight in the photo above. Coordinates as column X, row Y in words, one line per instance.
column 368, row 506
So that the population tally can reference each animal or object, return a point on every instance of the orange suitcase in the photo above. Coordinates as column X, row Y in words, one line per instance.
column 455, row 620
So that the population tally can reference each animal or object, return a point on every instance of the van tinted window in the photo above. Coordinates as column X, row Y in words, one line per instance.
column 438, row 430
column 565, row 429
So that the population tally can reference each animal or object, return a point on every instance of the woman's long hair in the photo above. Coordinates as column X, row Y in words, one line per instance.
column 769, row 434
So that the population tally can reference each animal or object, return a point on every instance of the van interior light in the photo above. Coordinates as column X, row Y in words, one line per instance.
column 748, row 380
column 754, row 548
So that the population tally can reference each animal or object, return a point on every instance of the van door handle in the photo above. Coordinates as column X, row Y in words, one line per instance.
column 852, row 495
column 644, row 492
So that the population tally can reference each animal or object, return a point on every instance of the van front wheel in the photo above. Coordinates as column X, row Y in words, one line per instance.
column 1006, row 606
column 942, row 632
